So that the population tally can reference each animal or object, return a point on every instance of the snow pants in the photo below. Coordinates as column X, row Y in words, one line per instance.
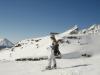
column 52, row 59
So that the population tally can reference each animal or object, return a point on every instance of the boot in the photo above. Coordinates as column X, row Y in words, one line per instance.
column 55, row 66
column 48, row 68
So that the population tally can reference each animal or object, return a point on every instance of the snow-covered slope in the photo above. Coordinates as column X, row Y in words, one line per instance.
column 5, row 43
column 73, row 43
column 80, row 54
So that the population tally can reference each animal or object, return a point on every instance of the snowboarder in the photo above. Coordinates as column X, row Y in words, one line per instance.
column 54, row 52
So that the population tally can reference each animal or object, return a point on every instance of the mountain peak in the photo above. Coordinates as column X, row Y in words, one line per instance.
column 5, row 43
column 73, row 30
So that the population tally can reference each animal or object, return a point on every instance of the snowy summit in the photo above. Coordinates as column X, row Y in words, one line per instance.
column 5, row 43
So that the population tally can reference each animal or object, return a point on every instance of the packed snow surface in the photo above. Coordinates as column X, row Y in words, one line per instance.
column 80, row 54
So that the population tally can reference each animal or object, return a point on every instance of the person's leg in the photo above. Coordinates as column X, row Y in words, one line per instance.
column 55, row 65
column 50, row 61
column 54, row 61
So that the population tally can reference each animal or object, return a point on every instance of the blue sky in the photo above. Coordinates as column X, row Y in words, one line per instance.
column 20, row 19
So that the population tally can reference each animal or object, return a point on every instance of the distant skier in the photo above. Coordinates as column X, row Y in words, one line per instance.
column 54, row 52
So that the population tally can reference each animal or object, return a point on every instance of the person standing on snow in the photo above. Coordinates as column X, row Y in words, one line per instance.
column 54, row 52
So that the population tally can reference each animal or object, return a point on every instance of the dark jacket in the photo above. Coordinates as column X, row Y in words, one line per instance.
column 55, row 47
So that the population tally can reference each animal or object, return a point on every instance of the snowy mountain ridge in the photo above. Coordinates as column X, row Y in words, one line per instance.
column 72, row 40
column 92, row 29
